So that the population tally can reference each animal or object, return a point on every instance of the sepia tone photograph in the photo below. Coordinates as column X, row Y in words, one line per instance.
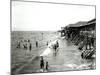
column 52, row 37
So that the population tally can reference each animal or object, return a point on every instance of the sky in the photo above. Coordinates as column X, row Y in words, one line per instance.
column 32, row 16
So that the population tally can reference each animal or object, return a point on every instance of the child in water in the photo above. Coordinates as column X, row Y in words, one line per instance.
column 47, row 66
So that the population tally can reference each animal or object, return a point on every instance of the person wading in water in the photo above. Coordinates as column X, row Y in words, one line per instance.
column 47, row 65
column 42, row 63
column 36, row 43
column 30, row 47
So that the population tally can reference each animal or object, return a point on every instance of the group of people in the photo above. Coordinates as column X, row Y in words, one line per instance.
column 54, row 45
column 43, row 65
column 25, row 44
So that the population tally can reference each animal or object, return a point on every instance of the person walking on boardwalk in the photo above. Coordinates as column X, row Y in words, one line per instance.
column 42, row 63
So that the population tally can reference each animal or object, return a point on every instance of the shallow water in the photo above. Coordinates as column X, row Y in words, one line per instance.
column 67, row 58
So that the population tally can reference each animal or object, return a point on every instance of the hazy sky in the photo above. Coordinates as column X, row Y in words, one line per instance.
column 31, row 16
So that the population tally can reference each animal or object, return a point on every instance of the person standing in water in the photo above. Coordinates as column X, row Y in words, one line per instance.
column 36, row 43
column 42, row 63
column 18, row 44
column 57, row 44
column 46, row 66
column 30, row 47
column 47, row 43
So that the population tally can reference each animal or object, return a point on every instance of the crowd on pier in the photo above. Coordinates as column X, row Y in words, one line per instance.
column 83, row 36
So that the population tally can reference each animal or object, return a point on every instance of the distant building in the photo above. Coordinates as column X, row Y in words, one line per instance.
column 79, row 28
